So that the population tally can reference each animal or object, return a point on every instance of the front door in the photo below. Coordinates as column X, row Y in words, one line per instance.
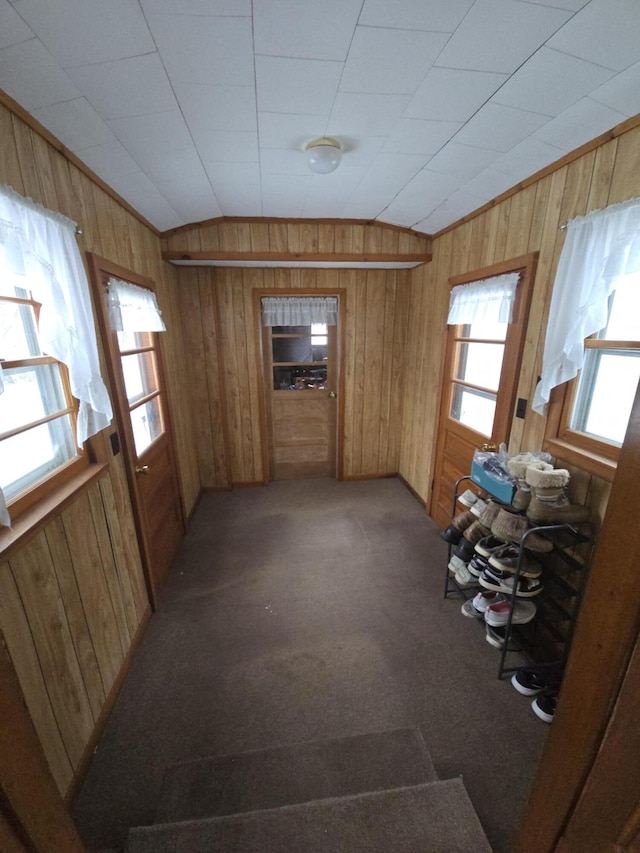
column 482, row 363
column 135, row 370
column 301, row 391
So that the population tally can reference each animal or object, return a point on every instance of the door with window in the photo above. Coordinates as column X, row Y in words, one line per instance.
column 301, row 382
column 482, row 364
column 137, row 380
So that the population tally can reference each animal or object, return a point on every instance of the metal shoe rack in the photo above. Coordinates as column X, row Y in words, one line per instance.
column 545, row 641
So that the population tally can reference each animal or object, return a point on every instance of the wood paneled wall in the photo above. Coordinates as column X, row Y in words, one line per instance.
column 527, row 221
column 73, row 598
column 224, row 383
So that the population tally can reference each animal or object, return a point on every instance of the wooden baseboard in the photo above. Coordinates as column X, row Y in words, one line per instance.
column 385, row 476
column 412, row 490
column 87, row 755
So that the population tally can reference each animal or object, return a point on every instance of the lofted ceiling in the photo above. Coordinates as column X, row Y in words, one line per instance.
column 194, row 109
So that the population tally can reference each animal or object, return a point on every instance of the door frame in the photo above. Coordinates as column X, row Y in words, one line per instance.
column 264, row 387
column 526, row 265
column 98, row 267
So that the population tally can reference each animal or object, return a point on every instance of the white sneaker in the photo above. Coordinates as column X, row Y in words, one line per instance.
column 478, row 507
column 465, row 579
column 468, row 609
column 486, row 599
column 468, row 498
column 456, row 564
column 497, row 615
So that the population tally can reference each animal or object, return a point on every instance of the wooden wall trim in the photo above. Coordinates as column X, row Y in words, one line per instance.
column 316, row 257
column 605, row 635
column 614, row 133
column 219, row 220
column 7, row 101
column 26, row 783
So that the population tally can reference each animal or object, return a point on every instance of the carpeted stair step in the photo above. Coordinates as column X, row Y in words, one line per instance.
column 434, row 817
column 296, row 773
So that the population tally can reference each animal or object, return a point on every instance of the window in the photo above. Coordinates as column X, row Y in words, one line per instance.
column 299, row 356
column 477, row 367
column 37, row 411
column 138, row 358
column 597, row 405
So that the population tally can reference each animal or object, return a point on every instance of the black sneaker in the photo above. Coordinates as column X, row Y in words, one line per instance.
column 477, row 565
column 529, row 682
column 544, row 706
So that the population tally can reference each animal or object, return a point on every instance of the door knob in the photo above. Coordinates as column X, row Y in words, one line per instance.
column 332, row 394
column 491, row 448
column 142, row 469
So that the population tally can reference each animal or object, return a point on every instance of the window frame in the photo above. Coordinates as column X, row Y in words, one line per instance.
column 596, row 455
column 45, row 485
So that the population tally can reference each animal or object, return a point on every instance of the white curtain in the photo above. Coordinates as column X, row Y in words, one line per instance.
column 38, row 251
column 299, row 310
column 489, row 300
column 133, row 308
column 599, row 248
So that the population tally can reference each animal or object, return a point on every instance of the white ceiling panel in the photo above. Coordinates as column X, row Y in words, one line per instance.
column 205, row 50
column 365, row 115
column 109, row 160
column 452, row 94
column 142, row 135
column 551, row 81
column 604, row 33
column 220, row 146
column 438, row 15
column 622, row 93
column 192, row 107
column 389, row 173
column 285, row 130
column 126, row 87
column 217, row 107
column 416, row 136
column 296, row 85
column 146, row 198
column 464, row 161
column 526, row 158
column 229, row 8
column 29, row 74
column 12, row 28
column 373, row 64
column 581, row 122
column 305, row 30
column 499, row 128
column 75, row 123
column 83, row 32
column 232, row 174
column 499, row 35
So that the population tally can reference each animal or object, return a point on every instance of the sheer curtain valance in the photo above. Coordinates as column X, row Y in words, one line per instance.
column 489, row 300
column 599, row 248
column 299, row 310
column 133, row 308
column 39, row 252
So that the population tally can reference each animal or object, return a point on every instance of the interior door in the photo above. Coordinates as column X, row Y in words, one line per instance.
column 301, row 387
column 481, row 368
column 134, row 362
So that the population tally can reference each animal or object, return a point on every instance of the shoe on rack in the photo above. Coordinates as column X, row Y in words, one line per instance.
column 485, row 599
column 530, row 682
column 506, row 560
column 453, row 532
column 465, row 579
column 475, row 532
column 486, row 547
column 468, row 498
column 464, row 550
column 497, row 581
column 468, row 609
column 511, row 527
column 478, row 507
column 489, row 513
column 455, row 564
column 477, row 565
column 496, row 637
column 544, row 706
column 498, row 614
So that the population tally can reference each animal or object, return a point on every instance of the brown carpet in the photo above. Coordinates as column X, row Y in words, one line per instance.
column 305, row 611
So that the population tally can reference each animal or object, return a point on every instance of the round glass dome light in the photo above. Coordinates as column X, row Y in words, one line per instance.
column 323, row 155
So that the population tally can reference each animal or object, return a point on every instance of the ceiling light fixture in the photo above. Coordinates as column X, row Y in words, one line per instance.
column 323, row 155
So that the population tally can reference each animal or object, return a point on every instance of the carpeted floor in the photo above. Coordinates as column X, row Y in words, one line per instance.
column 302, row 611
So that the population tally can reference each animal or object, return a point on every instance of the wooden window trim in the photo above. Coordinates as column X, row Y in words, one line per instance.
column 596, row 456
